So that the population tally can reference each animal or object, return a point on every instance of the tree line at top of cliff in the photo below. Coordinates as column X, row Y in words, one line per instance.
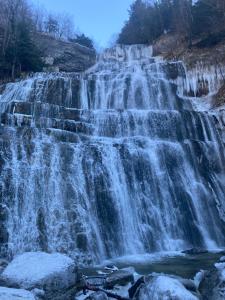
column 148, row 20
column 20, row 25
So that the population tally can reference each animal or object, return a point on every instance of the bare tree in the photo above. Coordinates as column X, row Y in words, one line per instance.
column 66, row 26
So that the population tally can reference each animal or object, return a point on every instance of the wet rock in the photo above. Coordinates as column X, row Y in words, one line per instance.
column 121, row 277
column 134, row 290
column 15, row 294
column 195, row 251
column 54, row 273
column 164, row 287
column 187, row 283
column 111, row 268
column 212, row 287
column 97, row 296
column 40, row 294
column 173, row 70
column 82, row 241
column 4, row 235
column 41, row 225
column 3, row 264
column 222, row 259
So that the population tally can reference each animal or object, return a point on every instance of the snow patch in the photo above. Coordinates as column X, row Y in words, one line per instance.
column 35, row 268
column 163, row 287
column 221, row 268
column 15, row 294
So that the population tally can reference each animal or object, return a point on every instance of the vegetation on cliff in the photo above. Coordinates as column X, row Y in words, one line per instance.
column 20, row 27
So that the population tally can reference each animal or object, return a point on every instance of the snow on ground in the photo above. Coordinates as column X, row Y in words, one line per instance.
column 15, row 294
column 33, row 268
column 163, row 287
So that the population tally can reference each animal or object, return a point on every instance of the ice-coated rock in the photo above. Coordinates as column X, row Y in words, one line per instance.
column 222, row 259
column 15, row 294
column 120, row 277
column 162, row 287
column 3, row 264
column 212, row 287
column 54, row 273
column 97, row 296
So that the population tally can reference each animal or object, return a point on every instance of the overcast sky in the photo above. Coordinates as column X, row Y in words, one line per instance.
column 99, row 19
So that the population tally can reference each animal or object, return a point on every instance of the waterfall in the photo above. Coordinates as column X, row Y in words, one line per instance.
column 113, row 161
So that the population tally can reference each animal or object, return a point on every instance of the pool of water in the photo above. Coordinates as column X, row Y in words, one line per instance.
column 183, row 265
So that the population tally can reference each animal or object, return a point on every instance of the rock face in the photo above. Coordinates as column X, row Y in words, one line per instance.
column 15, row 294
column 54, row 273
column 162, row 287
column 65, row 56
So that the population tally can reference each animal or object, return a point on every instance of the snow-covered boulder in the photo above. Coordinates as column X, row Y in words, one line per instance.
column 97, row 296
column 15, row 294
column 212, row 286
column 54, row 273
column 162, row 287
column 120, row 277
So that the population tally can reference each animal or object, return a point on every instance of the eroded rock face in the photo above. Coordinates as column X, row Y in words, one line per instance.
column 65, row 56
column 54, row 273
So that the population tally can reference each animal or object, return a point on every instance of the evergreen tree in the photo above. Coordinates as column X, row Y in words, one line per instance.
column 28, row 55
column 150, row 19
column 207, row 18
column 143, row 25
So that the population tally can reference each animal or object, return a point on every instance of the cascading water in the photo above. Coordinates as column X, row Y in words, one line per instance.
column 110, row 162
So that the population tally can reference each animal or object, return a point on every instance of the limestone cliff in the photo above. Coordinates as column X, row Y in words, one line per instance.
column 64, row 56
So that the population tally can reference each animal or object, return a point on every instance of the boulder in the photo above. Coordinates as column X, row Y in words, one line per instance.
column 135, row 288
column 159, row 287
column 15, row 294
column 120, row 277
column 40, row 294
column 195, row 251
column 187, row 283
column 54, row 273
column 212, row 287
column 3, row 265
column 97, row 296
column 222, row 259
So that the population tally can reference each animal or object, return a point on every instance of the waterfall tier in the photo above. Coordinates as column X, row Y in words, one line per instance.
column 110, row 162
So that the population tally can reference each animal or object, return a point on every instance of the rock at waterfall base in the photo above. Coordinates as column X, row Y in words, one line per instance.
column 54, row 273
column 212, row 286
column 97, row 296
column 195, row 251
column 15, row 294
column 120, row 277
column 158, row 287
